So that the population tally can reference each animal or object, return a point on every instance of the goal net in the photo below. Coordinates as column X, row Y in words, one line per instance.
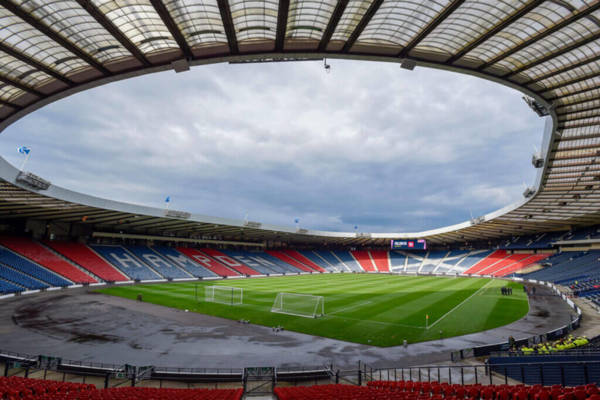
column 301, row 305
column 224, row 295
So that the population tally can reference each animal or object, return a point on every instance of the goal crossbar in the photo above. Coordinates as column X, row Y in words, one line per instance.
column 299, row 304
column 224, row 295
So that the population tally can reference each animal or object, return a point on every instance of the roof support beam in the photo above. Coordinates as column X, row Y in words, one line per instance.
column 541, row 35
column 282, row 17
column 333, row 22
column 35, row 64
column 578, row 102
column 585, row 109
column 228, row 25
column 164, row 14
column 492, row 32
column 575, row 93
column 565, row 121
column 553, row 55
column 113, row 30
column 364, row 21
column 27, row 17
column 429, row 28
column 20, row 86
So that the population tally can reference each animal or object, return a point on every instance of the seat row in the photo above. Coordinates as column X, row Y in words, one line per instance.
column 17, row 388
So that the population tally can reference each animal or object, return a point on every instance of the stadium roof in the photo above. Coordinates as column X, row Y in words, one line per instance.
column 549, row 50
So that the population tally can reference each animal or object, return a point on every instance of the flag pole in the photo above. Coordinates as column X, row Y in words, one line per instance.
column 25, row 161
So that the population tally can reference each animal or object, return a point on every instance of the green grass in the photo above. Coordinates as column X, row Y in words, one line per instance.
column 380, row 310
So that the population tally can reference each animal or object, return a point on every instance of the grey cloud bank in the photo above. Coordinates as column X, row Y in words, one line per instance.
column 368, row 144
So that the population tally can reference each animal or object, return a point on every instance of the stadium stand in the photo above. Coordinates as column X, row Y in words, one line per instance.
column 46, row 258
column 568, row 266
column 304, row 260
column 253, row 262
column 287, row 259
column 410, row 390
column 364, row 260
column 182, row 261
column 10, row 276
column 31, row 269
column 381, row 260
column 347, row 259
column 413, row 262
column 8, row 287
column 332, row 261
column 432, row 260
column 261, row 261
column 488, row 261
column 470, row 260
column 126, row 262
column 83, row 256
column 520, row 264
column 504, row 262
column 157, row 263
column 17, row 388
column 397, row 261
column 213, row 260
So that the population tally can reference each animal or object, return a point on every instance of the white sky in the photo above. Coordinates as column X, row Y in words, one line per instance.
column 368, row 144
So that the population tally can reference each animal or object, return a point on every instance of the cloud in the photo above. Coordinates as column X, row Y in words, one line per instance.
column 367, row 144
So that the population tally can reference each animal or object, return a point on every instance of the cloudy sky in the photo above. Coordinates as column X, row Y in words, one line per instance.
column 367, row 144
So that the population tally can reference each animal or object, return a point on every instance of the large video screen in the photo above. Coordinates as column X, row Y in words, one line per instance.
column 409, row 244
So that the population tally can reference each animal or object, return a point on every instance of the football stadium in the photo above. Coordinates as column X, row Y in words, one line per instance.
column 104, row 299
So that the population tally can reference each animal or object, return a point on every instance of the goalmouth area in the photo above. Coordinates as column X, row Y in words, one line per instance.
column 380, row 310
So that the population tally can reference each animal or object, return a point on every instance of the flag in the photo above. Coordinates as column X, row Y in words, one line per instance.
column 355, row 227
column 168, row 199
column 23, row 150
column 296, row 220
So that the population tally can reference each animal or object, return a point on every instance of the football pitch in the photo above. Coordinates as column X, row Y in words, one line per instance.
column 379, row 310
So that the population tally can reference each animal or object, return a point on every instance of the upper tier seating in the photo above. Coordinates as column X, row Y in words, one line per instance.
column 126, row 262
column 213, row 260
column 301, row 257
column 335, row 263
column 490, row 260
column 289, row 260
column 15, row 277
column 348, row 260
column 183, row 261
column 17, row 388
column 381, row 260
column 86, row 258
column 46, row 258
column 21, row 264
column 158, row 263
column 364, row 259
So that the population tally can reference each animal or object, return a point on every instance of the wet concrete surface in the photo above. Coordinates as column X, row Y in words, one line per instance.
column 79, row 325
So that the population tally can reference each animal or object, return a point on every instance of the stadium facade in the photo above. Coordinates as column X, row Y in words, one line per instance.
column 546, row 49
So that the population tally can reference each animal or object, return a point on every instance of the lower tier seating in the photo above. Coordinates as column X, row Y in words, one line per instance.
column 27, row 267
column 16, row 388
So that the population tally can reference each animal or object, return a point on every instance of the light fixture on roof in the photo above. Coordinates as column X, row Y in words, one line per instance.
column 589, row 187
column 326, row 66
column 408, row 64
column 536, row 106
column 528, row 192
column 181, row 65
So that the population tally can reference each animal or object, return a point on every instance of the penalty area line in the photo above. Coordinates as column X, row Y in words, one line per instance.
column 460, row 304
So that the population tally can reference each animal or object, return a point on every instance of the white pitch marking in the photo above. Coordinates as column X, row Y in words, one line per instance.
column 461, row 303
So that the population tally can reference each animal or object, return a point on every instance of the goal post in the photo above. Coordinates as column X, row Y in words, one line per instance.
column 301, row 305
column 224, row 295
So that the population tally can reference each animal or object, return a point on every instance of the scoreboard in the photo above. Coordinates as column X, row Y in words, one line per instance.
column 409, row 244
